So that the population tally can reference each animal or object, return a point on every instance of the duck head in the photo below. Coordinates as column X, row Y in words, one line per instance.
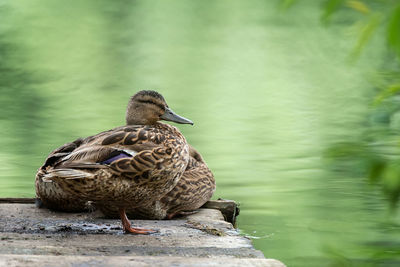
column 147, row 107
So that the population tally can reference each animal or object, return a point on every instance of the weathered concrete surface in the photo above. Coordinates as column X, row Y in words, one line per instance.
column 84, row 261
column 39, row 237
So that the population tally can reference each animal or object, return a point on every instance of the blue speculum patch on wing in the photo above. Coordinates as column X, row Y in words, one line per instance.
column 118, row 156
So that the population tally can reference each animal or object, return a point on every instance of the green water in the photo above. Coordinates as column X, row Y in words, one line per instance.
column 268, row 92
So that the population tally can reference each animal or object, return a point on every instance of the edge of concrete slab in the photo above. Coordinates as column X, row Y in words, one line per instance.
column 36, row 237
column 83, row 261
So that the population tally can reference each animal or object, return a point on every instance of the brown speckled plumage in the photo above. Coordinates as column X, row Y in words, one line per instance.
column 194, row 188
column 161, row 156
column 145, row 167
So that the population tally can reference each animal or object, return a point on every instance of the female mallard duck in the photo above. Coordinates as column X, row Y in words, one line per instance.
column 127, row 168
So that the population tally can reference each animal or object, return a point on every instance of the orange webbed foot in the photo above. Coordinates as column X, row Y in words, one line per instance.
column 132, row 230
column 139, row 231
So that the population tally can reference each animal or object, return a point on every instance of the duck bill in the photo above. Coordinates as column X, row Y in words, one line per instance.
column 169, row 115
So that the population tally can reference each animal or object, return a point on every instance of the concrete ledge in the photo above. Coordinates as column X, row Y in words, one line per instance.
column 84, row 261
column 37, row 237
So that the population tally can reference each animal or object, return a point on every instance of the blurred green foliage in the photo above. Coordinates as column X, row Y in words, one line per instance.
column 376, row 152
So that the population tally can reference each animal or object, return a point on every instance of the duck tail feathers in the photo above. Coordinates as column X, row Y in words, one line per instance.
column 68, row 174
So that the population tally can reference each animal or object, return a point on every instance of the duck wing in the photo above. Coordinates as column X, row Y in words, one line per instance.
column 126, row 151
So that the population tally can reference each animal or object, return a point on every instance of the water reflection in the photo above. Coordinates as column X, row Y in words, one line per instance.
column 267, row 92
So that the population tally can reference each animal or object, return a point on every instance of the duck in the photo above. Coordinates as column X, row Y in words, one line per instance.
column 136, row 167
